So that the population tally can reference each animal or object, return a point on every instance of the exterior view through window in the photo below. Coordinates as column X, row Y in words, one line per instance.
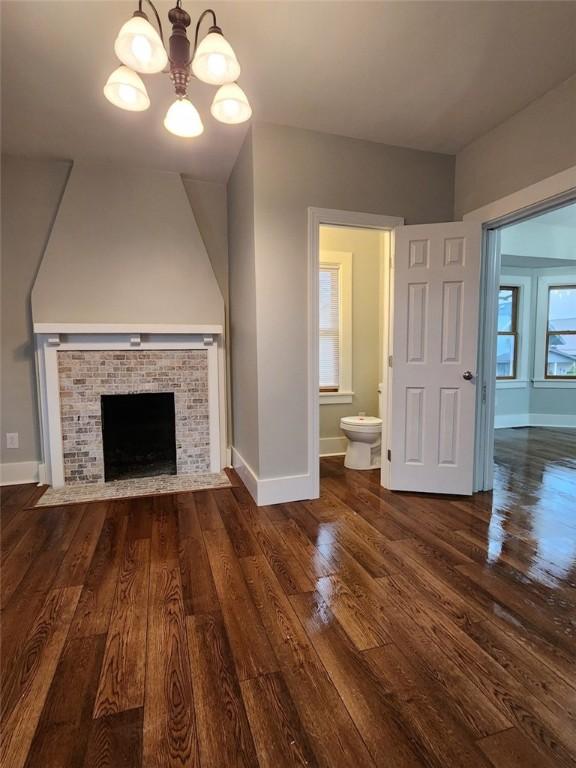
column 507, row 345
column 561, row 332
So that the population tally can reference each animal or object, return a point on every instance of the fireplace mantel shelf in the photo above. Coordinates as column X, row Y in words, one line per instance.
column 156, row 328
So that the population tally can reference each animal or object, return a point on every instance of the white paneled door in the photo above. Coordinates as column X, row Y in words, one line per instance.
column 436, row 279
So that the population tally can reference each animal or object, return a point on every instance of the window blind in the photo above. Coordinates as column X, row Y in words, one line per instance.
column 329, row 327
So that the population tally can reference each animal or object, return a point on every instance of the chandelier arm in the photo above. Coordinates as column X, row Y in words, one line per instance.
column 157, row 16
column 200, row 20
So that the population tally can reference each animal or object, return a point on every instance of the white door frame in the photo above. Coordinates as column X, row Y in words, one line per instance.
column 333, row 217
column 537, row 198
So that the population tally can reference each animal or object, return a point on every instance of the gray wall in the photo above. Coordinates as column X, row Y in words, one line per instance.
column 243, row 332
column 292, row 170
column 537, row 142
column 31, row 193
column 208, row 201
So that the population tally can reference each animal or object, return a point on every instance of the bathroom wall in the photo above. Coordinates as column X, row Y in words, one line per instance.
column 366, row 248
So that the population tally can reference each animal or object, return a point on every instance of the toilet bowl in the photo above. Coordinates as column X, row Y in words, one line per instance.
column 364, row 435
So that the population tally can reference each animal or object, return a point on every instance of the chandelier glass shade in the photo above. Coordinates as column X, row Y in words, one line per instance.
column 230, row 105
column 182, row 119
column 215, row 62
column 141, row 49
column 125, row 89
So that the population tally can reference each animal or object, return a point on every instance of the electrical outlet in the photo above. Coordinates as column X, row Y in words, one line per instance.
column 12, row 440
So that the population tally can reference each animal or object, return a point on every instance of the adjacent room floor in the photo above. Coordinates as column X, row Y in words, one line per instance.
column 365, row 628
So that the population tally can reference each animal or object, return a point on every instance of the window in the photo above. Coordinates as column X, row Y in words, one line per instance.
column 329, row 328
column 335, row 285
column 561, row 332
column 507, row 344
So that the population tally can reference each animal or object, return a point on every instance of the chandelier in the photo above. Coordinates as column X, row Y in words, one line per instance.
column 141, row 49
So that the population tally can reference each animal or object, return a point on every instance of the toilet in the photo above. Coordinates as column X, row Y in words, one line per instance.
column 364, row 435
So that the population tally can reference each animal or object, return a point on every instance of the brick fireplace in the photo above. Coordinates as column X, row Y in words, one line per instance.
column 84, row 376
column 77, row 370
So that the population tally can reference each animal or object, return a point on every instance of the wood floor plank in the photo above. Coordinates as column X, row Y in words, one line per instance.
column 115, row 741
column 236, row 524
column 280, row 738
column 335, row 739
column 198, row 590
column 140, row 513
column 409, row 617
column 169, row 730
column 62, row 733
column 510, row 749
column 355, row 609
column 544, row 683
column 250, row 646
column 223, row 730
column 207, row 510
column 374, row 711
column 551, row 733
column 30, row 675
column 288, row 570
column 442, row 736
column 312, row 561
column 95, row 604
column 121, row 685
column 557, row 628
column 79, row 555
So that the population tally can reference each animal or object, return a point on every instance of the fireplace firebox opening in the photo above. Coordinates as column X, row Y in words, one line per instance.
column 138, row 435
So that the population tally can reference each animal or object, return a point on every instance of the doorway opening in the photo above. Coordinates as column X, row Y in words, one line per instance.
column 350, row 312
column 529, row 347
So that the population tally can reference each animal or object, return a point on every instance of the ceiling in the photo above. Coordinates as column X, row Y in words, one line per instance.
column 429, row 75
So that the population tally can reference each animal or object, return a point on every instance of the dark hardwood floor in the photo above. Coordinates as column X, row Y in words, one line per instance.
column 362, row 629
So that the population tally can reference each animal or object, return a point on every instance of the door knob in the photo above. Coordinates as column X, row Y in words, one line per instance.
column 467, row 375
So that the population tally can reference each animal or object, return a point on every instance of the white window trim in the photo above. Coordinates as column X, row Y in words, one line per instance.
column 342, row 260
column 554, row 276
column 524, row 284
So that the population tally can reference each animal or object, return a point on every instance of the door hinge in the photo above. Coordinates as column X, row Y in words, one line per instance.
column 390, row 361
column 389, row 455
column 483, row 393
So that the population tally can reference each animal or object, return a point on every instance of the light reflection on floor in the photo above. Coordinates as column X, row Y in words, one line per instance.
column 534, row 503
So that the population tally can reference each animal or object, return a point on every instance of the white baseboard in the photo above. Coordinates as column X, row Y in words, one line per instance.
column 19, row 472
column 552, row 420
column 333, row 446
column 507, row 421
column 271, row 490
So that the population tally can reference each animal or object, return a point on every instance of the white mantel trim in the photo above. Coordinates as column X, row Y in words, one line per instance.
column 48, row 344
column 156, row 328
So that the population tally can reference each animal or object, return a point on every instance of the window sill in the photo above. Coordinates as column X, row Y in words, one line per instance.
column 512, row 383
column 335, row 398
column 554, row 383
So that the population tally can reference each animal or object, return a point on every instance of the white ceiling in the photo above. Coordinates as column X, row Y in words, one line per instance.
column 430, row 75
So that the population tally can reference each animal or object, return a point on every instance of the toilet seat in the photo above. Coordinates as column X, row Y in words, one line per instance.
column 361, row 423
